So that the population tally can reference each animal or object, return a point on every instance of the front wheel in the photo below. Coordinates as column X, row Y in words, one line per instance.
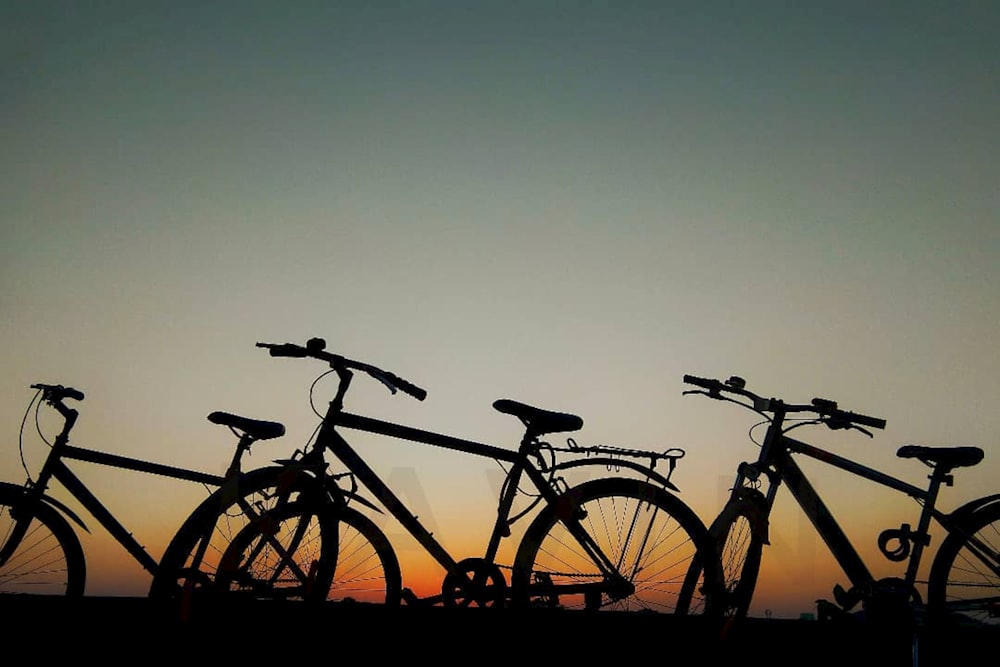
column 739, row 533
column 48, row 559
column 964, row 583
column 614, row 544
column 367, row 568
column 227, row 545
column 265, row 513
column 288, row 555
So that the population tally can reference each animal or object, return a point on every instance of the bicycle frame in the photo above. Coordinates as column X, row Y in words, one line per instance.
column 776, row 459
column 329, row 439
column 56, row 469
column 964, row 570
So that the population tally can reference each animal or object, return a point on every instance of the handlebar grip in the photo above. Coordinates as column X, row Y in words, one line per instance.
column 410, row 388
column 284, row 349
column 865, row 420
column 704, row 383
column 829, row 408
column 70, row 392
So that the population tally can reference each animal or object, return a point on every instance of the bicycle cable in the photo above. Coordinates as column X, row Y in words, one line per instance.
column 312, row 438
column 754, row 427
column 765, row 422
column 312, row 392
column 312, row 406
column 20, row 435
column 801, row 422
column 535, row 497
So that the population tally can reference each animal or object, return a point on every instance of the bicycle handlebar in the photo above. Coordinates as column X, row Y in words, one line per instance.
column 315, row 348
column 57, row 392
column 826, row 409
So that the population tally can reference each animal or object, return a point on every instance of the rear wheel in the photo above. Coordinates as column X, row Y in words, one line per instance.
column 649, row 537
column 261, row 515
column 964, row 583
column 48, row 559
column 223, row 548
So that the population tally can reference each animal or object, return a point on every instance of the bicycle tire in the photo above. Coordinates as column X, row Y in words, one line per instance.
column 360, row 567
column 740, row 532
column 49, row 560
column 287, row 556
column 192, row 558
column 959, row 577
column 367, row 569
column 649, row 533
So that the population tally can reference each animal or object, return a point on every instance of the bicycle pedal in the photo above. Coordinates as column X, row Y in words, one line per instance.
column 846, row 599
column 828, row 611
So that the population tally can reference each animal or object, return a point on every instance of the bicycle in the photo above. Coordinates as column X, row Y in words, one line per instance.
column 615, row 542
column 963, row 584
column 41, row 553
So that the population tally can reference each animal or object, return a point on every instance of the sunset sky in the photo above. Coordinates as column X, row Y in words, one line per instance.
column 571, row 204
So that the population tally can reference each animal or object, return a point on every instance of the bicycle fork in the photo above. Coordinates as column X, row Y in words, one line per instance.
column 24, row 511
column 13, row 540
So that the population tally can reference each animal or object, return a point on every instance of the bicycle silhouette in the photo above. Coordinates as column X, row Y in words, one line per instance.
column 963, row 585
column 613, row 543
column 40, row 552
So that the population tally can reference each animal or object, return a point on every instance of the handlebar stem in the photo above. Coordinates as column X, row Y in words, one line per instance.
column 774, row 429
column 346, row 375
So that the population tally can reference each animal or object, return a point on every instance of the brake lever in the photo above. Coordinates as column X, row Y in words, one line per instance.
column 711, row 393
column 863, row 430
column 388, row 383
column 842, row 424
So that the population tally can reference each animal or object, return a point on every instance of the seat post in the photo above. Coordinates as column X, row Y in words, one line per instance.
column 940, row 475
column 242, row 446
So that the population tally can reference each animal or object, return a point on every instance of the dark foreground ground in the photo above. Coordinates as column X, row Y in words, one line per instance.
column 133, row 629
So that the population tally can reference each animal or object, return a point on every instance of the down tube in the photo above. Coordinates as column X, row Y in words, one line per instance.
column 821, row 518
column 343, row 451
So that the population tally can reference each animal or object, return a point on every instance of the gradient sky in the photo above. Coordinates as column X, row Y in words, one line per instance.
column 572, row 204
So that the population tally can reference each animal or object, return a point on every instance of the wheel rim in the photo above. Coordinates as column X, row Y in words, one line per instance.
column 649, row 536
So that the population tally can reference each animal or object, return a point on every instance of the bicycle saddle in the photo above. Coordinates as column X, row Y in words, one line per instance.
column 537, row 420
column 255, row 428
column 950, row 457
